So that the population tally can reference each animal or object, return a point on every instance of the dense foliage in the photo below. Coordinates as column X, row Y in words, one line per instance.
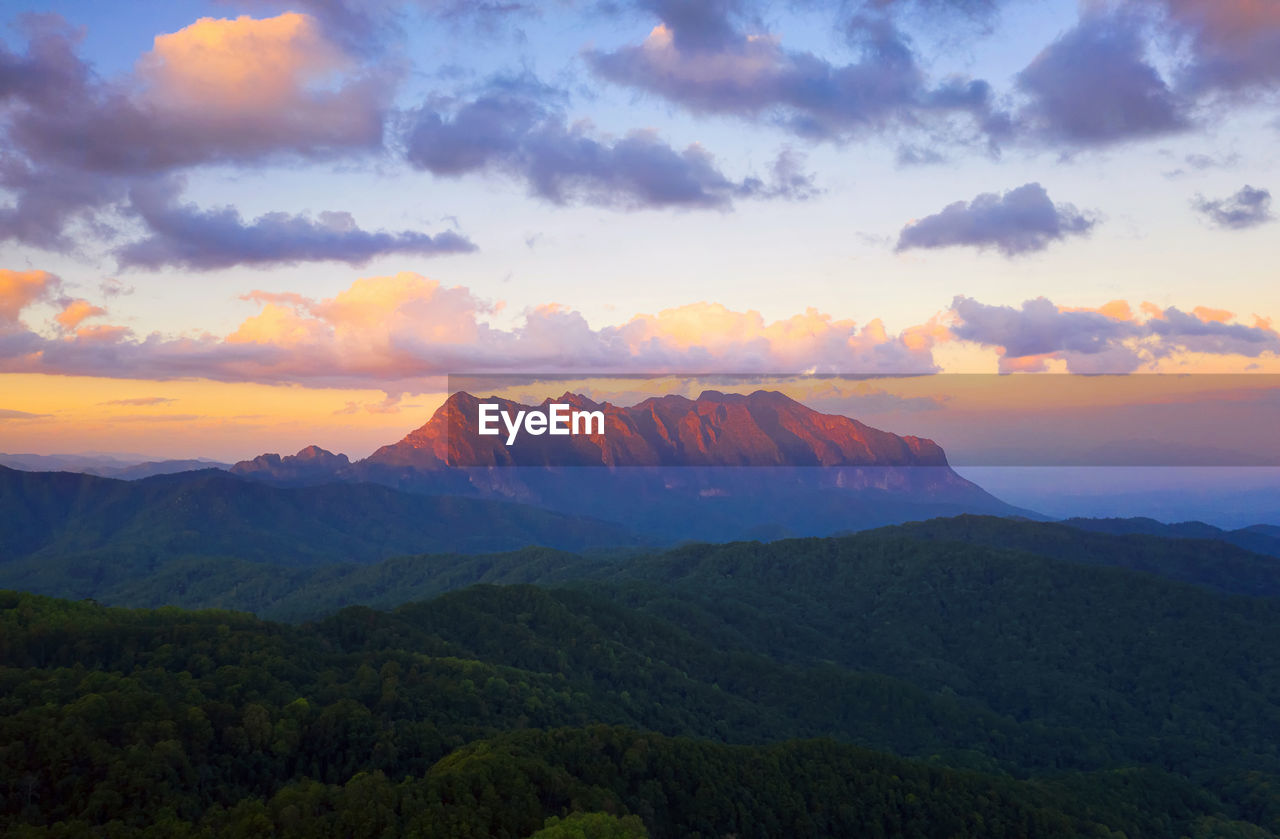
column 1200, row 554
column 890, row 683
column 1258, row 538
column 218, row 724
column 78, row 535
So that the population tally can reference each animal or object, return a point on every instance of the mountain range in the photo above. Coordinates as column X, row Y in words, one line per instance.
column 86, row 532
column 271, row 586
column 716, row 468
column 764, row 428
column 126, row 467
column 721, row 466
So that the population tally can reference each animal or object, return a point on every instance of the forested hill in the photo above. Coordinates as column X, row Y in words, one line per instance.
column 962, row 677
column 139, row 577
column 177, row 723
column 101, row 526
column 1000, row 692
column 1259, row 538
column 1195, row 554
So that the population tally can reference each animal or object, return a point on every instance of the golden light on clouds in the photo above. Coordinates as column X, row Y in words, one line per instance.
column 242, row 64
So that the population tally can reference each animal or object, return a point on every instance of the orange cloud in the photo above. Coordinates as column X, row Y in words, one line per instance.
column 1229, row 20
column 404, row 333
column 76, row 312
column 925, row 336
column 1215, row 315
column 1151, row 310
column 1026, row 363
column 103, row 333
column 713, row 334
column 1115, row 309
column 278, row 324
column 19, row 289
column 272, row 83
column 242, row 65
column 399, row 326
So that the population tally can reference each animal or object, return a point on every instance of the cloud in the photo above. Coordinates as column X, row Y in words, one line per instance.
column 372, row 26
column 8, row 414
column 1099, row 84
column 1187, row 332
column 1109, row 340
column 389, row 405
column 1234, row 44
column 403, row 333
column 235, row 90
column 153, row 418
column 185, row 236
column 1038, row 328
column 516, row 126
column 399, row 333
column 112, row 287
column 701, row 58
column 239, row 91
column 916, row 155
column 102, row 334
column 1202, row 162
column 76, row 312
column 19, row 289
column 141, row 402
column 1022, row 220
column 1094, row 86
column 1247, row 208
column 486, row 16
column 1210, row 314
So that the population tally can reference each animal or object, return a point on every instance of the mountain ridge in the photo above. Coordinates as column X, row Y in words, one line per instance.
column 764, row 428
column 715, row 468
column 104, row 526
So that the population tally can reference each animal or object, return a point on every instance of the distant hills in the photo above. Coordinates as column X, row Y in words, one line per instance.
column 1259, row 538
column 88, row 531
column 275, row 583
column 126, row 467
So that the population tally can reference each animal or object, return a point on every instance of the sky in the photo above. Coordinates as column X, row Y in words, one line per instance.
column 234, row 227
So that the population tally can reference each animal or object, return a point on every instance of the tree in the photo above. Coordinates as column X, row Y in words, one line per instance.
column 593, row 826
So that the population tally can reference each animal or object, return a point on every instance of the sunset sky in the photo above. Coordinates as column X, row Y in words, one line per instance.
column 235, row 227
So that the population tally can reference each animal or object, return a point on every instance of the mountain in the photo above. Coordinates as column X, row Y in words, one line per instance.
column 127, row 467
column 82, row 532
column 719, row 467
column 1212, row 563
column 761, row 429
column 311, row 465
column 307, row 591
column 1260, row 538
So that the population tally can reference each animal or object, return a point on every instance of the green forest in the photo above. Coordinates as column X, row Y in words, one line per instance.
column 963, row 677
